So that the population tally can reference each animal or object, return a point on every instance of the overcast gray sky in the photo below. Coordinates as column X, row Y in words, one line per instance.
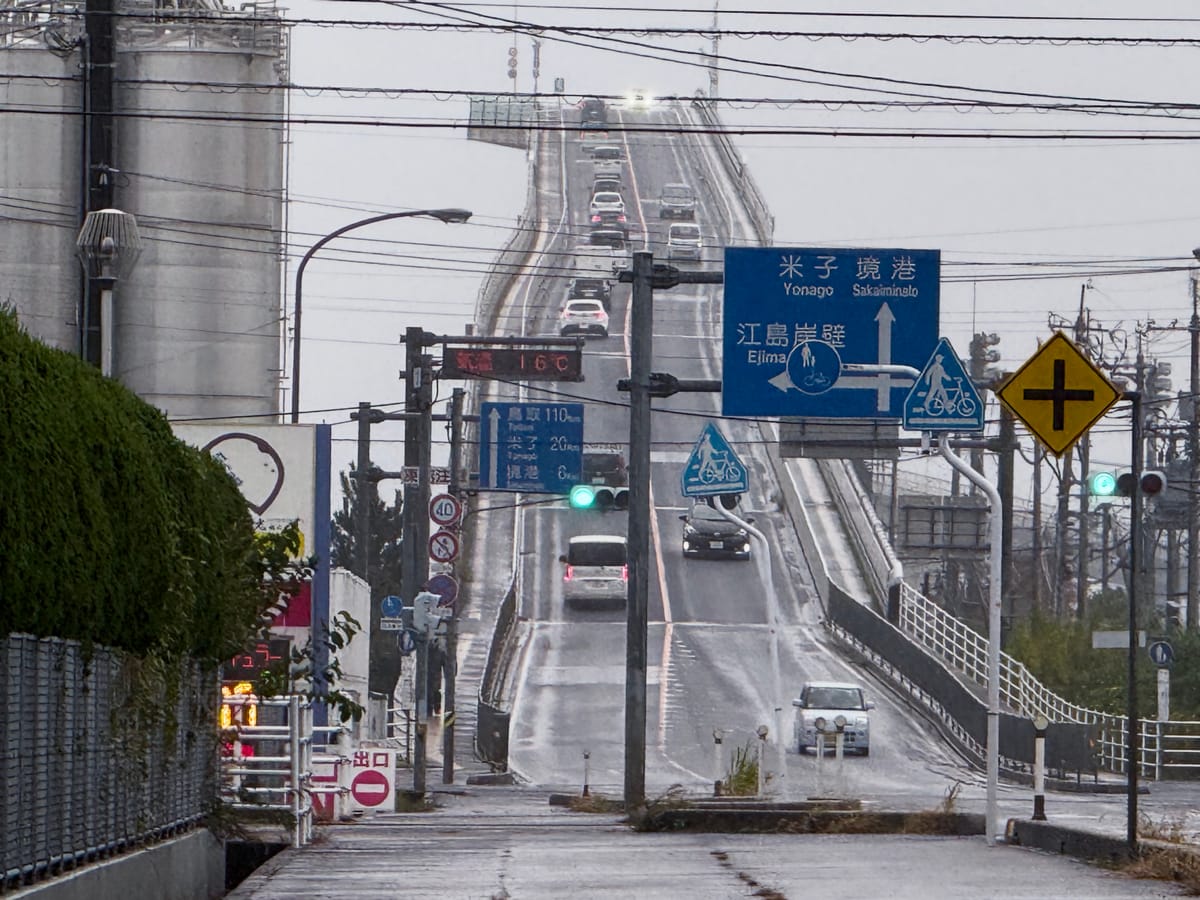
column 1011, row 192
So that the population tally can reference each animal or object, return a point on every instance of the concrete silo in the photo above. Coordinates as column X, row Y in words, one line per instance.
column 199, row 132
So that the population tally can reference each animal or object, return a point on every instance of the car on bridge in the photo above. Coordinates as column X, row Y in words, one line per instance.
column 596, row 570
column 583, row 317
column 684, row 241
column 606, row 202
column 707, row 533
column 677, row 201
column 830, row 708
column 584, row 288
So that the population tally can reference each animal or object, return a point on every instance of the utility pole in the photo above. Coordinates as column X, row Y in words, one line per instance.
column 450, row 659
column 99, row 73
column 1085, row 452
column 418, row 402
column 1193, row 520
column 643, row 384
column 362, row 494
column 641, row 326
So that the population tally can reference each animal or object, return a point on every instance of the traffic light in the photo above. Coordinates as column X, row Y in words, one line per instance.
column 1152, row 483
column 598, row 496
column 1102, row 484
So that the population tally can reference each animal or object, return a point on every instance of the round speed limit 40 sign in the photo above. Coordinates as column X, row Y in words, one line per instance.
column 445, row 510
column 443, row 546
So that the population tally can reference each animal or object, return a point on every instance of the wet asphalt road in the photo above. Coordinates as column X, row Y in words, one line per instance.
column 501, row 842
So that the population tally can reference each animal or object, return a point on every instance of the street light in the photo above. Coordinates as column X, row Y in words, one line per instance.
column 108, row 245
column 446, row 215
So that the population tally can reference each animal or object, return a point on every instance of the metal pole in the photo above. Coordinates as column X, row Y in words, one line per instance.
column 1193, row 550
column 450, row 668
column 1135, row 537
column 1036, row 568
column 444, row 215
column 411, row 577
column 640, row 350
column 1004, row 484
column 362, row 495
column 996, row 527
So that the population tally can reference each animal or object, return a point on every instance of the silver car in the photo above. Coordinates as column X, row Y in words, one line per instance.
column 829, row 708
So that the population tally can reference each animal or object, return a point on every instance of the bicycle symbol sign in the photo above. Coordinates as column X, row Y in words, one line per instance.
column 713, row 468
column 943, row 398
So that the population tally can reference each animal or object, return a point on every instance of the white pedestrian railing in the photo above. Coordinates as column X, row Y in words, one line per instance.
column 271, row 767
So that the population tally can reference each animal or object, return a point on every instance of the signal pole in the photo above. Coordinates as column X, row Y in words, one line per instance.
column 642, row 385
column 1193, row 520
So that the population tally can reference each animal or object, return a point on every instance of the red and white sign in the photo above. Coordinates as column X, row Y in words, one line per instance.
column 444, row 510
column 371, row 778
column 443, row 546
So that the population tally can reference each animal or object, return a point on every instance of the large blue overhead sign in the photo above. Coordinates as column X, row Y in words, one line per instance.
column 810, row 332
column 534, row 447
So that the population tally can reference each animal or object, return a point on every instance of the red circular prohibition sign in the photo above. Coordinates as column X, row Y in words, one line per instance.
column 369, row 787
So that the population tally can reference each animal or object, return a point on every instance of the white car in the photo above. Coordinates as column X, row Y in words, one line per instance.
column 609, row 202
column 596, row 570
column 830, row 707
column 583, row 317
column 684, row 241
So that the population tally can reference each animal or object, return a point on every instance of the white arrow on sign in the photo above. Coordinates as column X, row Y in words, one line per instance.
column 881, row 376
column 493, row 446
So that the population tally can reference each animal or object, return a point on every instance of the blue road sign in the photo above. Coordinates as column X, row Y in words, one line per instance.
column 806, row 330
column 445, row 586
column 533, row 447
column 407, row 643
column 713, row 468
column 391, row 605
column 1161, row 653
column 943, row 399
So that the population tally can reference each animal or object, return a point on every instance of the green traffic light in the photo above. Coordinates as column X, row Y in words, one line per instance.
column 582, row 496
column 1102, row 484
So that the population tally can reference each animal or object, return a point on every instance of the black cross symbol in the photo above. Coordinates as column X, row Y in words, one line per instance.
column 1059, row 395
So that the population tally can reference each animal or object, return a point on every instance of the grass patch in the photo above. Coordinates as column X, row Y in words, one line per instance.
column 742, row 778
column 411, row 801
column 595, row 803
column 1179, row 865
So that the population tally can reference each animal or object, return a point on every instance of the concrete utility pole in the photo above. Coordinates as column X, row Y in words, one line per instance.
column 641, row 325
column 362, row 494
column 1193, row 520
column 450, row 661
column 643, row 384
column 414, row 572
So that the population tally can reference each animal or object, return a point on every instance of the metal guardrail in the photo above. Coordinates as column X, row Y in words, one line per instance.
column 94, row 768
column 738, row 172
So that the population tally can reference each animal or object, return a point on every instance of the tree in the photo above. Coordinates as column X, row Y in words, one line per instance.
column 382, row 567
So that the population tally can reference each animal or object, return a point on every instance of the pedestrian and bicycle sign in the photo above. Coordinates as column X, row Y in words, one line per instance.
column 443, row 546
column 1059, row 394
column 943, row 399
column 834, row 333
column 713, row 468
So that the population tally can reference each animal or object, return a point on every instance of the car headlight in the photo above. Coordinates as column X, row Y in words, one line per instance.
column 862, row 721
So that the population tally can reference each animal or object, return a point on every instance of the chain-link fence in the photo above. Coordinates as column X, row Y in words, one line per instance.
column 103, row 753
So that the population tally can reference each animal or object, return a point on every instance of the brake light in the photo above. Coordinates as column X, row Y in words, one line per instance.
column 569, row 573
column 625, row 572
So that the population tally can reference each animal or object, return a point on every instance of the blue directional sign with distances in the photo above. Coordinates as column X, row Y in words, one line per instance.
column 943, row 399
column 532, row 447
column 713, row 468
column 807, row 330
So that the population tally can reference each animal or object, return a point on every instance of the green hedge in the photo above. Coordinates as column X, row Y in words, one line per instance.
column 112, row 530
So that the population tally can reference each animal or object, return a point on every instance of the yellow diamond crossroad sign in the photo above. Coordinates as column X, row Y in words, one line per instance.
column 1059, row 394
